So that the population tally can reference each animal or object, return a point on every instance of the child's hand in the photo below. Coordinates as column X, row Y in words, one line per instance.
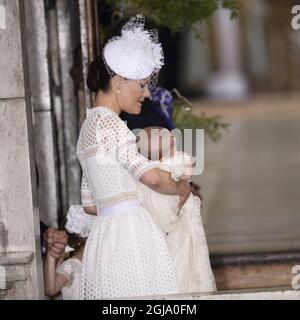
column 56, row 241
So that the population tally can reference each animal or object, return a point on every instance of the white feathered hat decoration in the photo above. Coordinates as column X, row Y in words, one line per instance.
column 136, row 54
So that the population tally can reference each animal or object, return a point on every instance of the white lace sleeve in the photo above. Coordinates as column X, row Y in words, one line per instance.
column 66, row 269
column 86, row 192
column 178, row 165
column 115, row 137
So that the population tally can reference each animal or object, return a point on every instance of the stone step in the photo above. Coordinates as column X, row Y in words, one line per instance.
column 276, row 293
column 254, row 270
column 14, row 268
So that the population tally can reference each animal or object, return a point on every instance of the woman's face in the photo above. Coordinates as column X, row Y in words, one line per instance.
column 132, row 94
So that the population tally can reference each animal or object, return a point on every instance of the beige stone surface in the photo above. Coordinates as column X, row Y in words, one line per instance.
column 16, row 206
column 19, row 217
column 11, row 54
column 254, row 276
column 251, row 180
column 263, row 294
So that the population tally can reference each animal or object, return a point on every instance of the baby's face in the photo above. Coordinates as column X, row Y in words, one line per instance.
column 156, row 143
column 168, row 150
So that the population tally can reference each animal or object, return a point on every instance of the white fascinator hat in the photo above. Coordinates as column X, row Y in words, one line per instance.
column 136, row 54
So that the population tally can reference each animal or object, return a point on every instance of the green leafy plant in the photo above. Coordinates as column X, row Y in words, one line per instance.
column 180, row 15
column 184, row 119
column 177, row 15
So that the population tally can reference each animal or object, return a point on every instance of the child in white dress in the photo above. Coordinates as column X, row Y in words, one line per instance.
column 65, row 278
column 184, row 230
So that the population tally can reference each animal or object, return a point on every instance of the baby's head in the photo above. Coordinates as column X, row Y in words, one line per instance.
column 156, row 143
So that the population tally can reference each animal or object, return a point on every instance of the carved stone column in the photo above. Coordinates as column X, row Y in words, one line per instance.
column 228, row 81
column 19, row 216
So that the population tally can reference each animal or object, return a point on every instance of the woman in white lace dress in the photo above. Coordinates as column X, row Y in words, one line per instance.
column 126, row 255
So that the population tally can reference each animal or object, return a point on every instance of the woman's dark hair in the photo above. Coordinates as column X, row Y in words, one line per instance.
column 98, row 78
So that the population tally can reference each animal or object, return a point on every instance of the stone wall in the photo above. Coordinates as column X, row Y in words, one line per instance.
column 19, row 217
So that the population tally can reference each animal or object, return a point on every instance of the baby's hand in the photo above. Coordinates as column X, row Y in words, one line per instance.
column 182, row 167
column 185, row 177
column 188, row 168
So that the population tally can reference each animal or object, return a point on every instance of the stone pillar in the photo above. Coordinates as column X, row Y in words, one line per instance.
column 194, row 62
column 254, row 13
column 63, row 44
column 19, row 216
column 68, row 37
column 228, row 82
column 45, row 150
column 283, row 46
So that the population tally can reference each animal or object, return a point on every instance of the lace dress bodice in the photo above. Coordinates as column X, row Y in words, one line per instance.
column 125, row 255
column 71, row 270
column 107, row 148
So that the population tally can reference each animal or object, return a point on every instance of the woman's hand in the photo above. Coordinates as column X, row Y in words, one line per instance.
column 196, row 191
column 90, row 210
column 162, row 182
column 185, row 191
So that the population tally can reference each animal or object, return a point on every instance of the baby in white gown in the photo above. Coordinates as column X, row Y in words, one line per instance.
column 184, row 231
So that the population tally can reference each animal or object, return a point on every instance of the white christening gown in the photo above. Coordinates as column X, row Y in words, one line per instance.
column 186, row 238
column 126, row 255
